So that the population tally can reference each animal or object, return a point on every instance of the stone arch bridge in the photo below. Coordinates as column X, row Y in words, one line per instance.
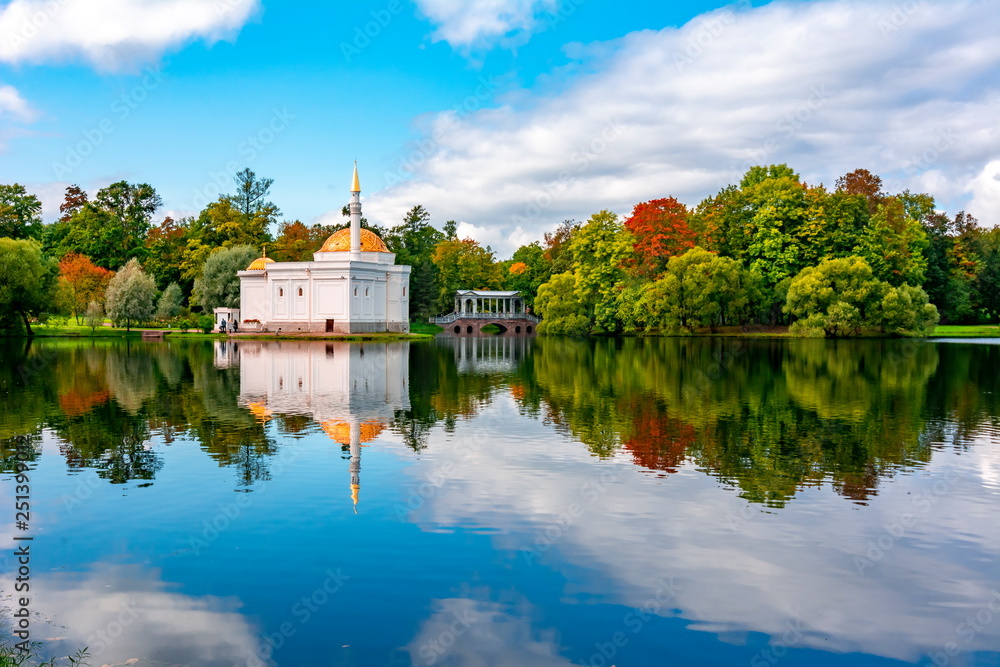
column 475, row 309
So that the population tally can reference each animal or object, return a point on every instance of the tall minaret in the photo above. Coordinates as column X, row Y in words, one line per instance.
column 355, row 209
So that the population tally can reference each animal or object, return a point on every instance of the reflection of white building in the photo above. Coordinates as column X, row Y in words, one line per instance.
column 351, row 389
column 353, row 285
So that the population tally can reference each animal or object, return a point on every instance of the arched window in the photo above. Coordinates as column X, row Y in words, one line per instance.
column 300, row 291
column 281, row 291
column 404, row 291
column 366, row 291
column 355, row 291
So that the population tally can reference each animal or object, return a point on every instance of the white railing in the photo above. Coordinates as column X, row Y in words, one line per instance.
column 451, row 317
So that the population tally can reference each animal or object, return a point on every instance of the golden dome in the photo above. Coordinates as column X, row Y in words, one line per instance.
column 341, row 431
column 340, row 241
column 260, row 264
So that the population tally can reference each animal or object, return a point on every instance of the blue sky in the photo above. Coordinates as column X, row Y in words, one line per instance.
column 505, row 115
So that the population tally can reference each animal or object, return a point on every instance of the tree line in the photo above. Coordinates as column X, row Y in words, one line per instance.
column 771, row 250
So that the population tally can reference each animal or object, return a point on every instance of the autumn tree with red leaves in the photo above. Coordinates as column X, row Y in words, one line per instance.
column 661, row 230
column 86, row 281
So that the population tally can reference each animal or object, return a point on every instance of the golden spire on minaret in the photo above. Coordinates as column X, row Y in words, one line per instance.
column 355, row 184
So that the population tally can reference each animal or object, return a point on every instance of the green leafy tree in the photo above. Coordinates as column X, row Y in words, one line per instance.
column 219, row 286
column 415, row 243
column 558, row 251
column 526, row 271
column 297, row 242
column 837, row 297
column 698, row 289
column 166, row 243
column 463, row 264
column 20, row 213
column 600, row 249
column 27, row 283
column 561, row 308
column 831, row 225
column 893, row 244
column 170, row 303
column 112, row 228
column 905, row 310
column 131, row 295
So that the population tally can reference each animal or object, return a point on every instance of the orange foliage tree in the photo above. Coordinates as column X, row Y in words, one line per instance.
column 87, row 282
column 661, row 230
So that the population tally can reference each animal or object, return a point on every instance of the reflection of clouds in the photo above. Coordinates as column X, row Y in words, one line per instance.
column 792, row 565
column 471, row 633
column 124, row 613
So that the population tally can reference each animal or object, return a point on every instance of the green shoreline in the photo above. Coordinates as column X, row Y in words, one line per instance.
column 425, row 332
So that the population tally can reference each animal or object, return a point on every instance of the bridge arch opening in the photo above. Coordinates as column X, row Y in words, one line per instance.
column 502, row 328
column 529, row 329
column 517, row 329
column 468, row 329
column 458, row 329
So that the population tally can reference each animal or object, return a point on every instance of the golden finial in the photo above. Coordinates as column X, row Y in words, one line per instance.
column 356, row 184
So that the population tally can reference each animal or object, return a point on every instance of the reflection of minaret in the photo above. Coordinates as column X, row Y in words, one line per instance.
column 352, row 390
column 355, row 463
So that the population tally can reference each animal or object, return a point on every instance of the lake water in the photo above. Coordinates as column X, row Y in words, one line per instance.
column 508, row 501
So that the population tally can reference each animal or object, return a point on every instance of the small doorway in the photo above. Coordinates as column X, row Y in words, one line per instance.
column 329, row 326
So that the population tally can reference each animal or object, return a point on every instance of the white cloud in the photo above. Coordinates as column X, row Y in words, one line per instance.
column 466, row 631
column 735, row 567
column 985, row 204
column 827, row 87
column 113, row 34
column 127, row 611
column 468, row 24
column 12, row 104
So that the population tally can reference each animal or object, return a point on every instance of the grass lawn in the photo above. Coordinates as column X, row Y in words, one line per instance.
column 425, row 328
column 970, row 330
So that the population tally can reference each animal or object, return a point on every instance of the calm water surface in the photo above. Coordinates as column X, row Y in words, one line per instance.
column 509, row 501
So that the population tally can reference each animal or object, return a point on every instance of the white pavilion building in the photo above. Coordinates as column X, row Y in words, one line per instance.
column 353, row 285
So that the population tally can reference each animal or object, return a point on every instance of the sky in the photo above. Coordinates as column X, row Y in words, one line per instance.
column 507, row 116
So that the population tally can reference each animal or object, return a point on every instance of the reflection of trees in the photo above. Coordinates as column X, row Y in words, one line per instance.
column 19, row 449
column 439, row 393
column 768, row 416
column 111, row 440
column 106, row 400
